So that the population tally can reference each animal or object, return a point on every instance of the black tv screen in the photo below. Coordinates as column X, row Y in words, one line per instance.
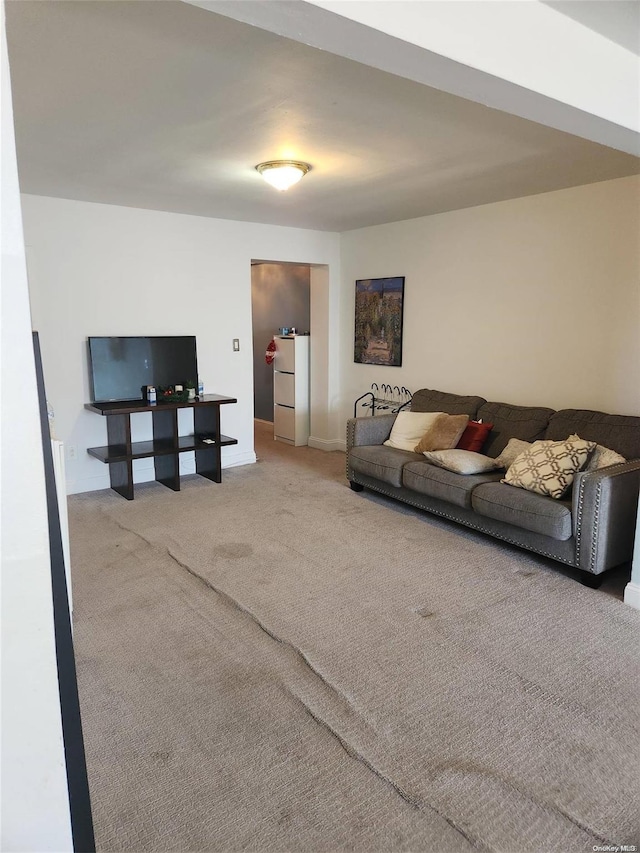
column 120, row 368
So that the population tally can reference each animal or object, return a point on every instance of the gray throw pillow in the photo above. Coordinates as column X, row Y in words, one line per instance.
column 514, row 448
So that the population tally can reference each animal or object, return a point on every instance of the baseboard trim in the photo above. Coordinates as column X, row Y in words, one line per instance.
column 632, row 595
column 233, row 460
column 324, row 444
column 144, row 474
column 88, row 484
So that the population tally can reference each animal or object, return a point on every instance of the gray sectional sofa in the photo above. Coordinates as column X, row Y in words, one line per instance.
column 591, row 529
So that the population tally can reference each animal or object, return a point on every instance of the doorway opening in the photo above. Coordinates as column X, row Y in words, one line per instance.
column 280, row 299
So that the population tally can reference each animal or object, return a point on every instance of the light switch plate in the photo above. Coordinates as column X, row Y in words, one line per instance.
column 236, row 344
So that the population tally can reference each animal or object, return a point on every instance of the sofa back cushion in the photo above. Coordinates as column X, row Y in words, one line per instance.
column 426, row 400
column 528, row 423
column 617, row 432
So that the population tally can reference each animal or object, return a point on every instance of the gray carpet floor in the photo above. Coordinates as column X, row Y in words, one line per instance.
column 277, row 663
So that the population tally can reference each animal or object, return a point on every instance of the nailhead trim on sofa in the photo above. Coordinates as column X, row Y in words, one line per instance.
column 612, row 470
column 468, row 524
column 604, row 546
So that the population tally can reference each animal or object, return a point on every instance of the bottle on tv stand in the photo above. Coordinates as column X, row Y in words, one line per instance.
column 200, row 389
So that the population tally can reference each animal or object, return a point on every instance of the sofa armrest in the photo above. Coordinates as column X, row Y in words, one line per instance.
column 605, row 504
column 365, row 432
column 368, row 430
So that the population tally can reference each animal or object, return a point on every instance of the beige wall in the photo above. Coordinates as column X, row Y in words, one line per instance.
column 532, row 301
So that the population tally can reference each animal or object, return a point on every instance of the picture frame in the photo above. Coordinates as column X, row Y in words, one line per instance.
column 378, row 321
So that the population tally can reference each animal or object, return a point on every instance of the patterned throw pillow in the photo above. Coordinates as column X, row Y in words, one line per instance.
column 549, row 467
column 443, row 434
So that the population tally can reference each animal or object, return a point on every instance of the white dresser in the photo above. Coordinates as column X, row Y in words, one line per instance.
column 291, row 389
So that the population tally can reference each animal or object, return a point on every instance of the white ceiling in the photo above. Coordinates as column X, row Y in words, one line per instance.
column 167, row 106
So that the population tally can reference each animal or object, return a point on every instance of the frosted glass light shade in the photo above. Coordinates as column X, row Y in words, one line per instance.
column 283, row 174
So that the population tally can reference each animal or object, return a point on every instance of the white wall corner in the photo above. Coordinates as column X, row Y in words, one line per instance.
column 34, row 810
column 328, row 445
column 233, row 460
column 632, row 595
column 632, row 589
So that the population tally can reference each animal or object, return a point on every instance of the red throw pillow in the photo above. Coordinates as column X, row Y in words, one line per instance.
column 474, row 436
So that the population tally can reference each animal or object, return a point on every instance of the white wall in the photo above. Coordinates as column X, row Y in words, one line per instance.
column 534, row 301
column 35, row 803
column 105, row 270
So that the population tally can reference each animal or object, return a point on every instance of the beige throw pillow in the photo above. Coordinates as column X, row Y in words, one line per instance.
column 549, row 467
column 602, row 457
column 461, row 461
column 408, row 428
column 443, row 434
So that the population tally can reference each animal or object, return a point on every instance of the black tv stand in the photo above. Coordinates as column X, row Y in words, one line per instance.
column 166, row 446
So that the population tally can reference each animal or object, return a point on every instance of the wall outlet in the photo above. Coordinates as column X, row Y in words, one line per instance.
column 236, row 344
column 71, row 451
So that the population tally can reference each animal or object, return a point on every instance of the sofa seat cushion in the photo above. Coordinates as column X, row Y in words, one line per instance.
column 538, row 513
column 383, row 463
column 439, row 483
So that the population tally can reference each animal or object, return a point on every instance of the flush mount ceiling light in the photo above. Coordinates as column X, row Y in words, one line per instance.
column 283, row 174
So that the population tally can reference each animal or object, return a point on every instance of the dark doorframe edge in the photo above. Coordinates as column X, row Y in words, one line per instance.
column 75, row 759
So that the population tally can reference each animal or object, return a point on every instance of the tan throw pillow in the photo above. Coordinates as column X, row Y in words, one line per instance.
column 408, row 428
column 514, row 448
column 443, row 434
column 461, row 461
column 549, row 467
column 602, row 457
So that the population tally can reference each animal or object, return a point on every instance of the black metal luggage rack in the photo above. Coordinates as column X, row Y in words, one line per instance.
column 383, row 399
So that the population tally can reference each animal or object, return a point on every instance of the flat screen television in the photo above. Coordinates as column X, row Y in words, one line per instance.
column 121, row 368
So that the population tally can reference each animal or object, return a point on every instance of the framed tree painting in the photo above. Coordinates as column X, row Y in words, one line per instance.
column 378, row 328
